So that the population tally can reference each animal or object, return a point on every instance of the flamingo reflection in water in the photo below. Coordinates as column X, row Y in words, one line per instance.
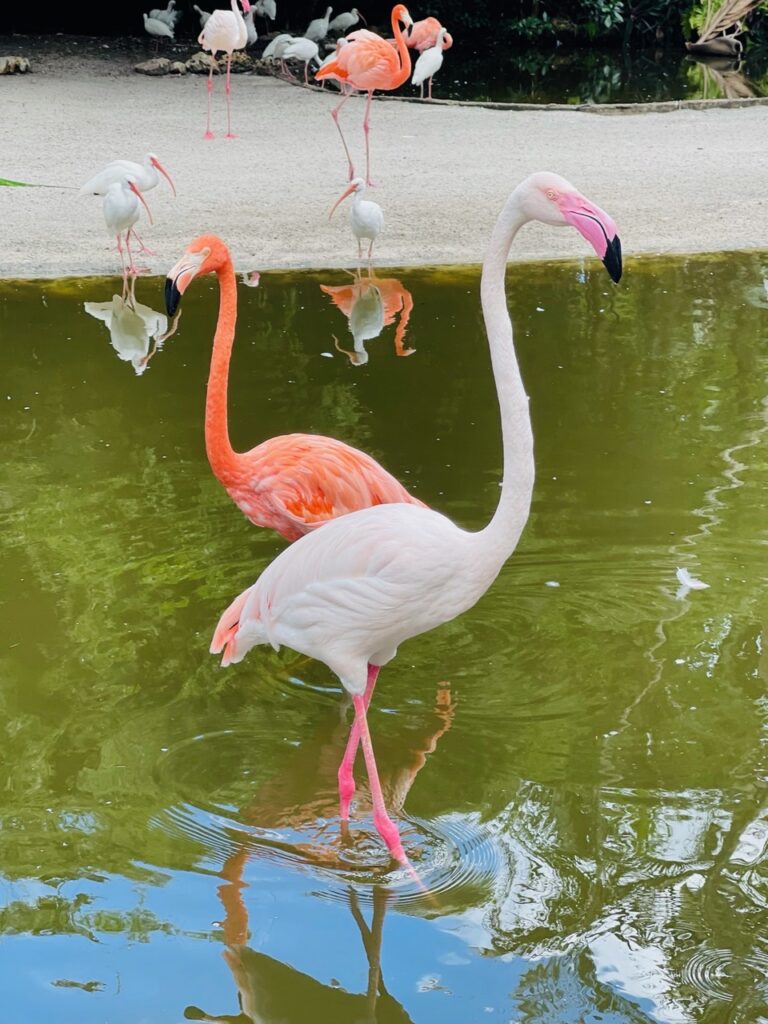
column 370, row 304
column 133, row 327
column 300, row 797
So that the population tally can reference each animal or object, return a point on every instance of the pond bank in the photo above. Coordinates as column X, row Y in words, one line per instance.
column 683, row 181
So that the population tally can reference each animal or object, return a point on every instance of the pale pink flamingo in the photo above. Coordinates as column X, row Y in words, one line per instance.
column 225, row 31
column 369, row 63
column 292, row 483
column 350, row 593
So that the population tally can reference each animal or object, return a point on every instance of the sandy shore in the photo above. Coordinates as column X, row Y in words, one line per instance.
column 683, row 181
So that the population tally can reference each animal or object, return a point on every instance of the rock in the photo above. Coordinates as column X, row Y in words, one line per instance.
column 263, row 67
column 200, row 64
column 14, row 65
column 178, row 67
column 156, row 66
column 241, row 61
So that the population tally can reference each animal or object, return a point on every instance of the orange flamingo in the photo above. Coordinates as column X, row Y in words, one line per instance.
column 369, row 63
column 292, row 483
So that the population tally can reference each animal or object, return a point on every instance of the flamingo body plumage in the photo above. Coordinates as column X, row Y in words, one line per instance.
column 292, row 483
column 423, row 35
column 368, row 64
column 350, row 593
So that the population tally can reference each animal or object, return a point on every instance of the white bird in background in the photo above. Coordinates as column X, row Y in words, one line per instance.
column 167, row 14
column 250, row 28
column 157, row 28
column 266, row 9
column 121, row 212
column 203, row 15
column 351, row 591
column 343, row 22
column 144, row 174
column 225, row 31
column 366, row 217
column 429, row 63
column 275, row 50
column 317, row 29
column 302, row 49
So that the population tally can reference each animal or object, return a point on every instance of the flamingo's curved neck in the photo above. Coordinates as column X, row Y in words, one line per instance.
column 402, row 52
column 221, row 455
column 504, row 529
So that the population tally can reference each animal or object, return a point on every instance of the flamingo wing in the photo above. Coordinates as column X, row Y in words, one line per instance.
column 354, row 590
column 303, row 480
column 370, row 63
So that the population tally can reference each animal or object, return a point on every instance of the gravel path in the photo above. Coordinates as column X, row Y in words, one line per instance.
column 681, row 181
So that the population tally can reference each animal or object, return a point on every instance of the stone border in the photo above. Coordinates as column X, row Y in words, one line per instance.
column 652, row 107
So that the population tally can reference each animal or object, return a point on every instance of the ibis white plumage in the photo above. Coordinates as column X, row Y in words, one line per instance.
column 203, row 15
column 146, row 175
column 317, row 29
column 157, row 28
column 343, row 22
column 429, row 63
column 366, row 217
column 121, row 212
column 302, row 49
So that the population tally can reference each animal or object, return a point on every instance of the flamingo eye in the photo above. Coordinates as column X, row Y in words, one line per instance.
column 551, row 194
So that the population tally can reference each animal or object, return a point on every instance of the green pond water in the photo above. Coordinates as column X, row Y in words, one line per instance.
column 579, row 765
column 559, row 74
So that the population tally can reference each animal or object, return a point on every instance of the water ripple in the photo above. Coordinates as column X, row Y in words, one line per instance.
column 719, row 973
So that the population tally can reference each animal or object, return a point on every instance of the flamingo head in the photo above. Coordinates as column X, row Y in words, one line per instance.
column 553, row 200
column 447, row 39
column 205, row 255
column 245, row 5
column 152, row 159
column 400, row 13
column 356, row 185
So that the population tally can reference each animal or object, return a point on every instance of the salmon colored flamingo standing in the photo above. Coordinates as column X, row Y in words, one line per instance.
column 369, row 63
column 350, row 593
column 292, row 483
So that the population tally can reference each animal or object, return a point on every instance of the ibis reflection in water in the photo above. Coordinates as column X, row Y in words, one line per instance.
column 370, row 304
column 136, row 331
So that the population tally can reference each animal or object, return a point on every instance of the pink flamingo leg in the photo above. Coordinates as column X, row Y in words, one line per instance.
column 208, row 133
column 335, row 116
column 384, row 824
column 346, row 777
column 227, row 90
column 366, row 129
